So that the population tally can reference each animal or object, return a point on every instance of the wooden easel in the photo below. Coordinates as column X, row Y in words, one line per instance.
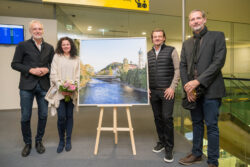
column 115, row 129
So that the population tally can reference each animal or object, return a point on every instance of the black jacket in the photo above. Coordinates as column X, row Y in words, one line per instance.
column 28, row 56
column 161, row 70
column 210, row 60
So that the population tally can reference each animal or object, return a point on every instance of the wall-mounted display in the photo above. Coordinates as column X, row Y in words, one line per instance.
column 11, row 34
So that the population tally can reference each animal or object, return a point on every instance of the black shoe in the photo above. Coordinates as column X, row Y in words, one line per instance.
column 68, row 147
column 158, row 148
column 26, row 150
column 168, row 156
column 60, row 147
column 39, row 147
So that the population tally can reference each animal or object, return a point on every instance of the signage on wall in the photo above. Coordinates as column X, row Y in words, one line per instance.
column 122, row 4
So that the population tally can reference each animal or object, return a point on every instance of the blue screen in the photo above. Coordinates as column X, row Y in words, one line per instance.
column 11, row 34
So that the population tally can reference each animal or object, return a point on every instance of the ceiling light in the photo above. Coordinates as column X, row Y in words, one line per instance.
column 227, row 39
column 143, row 33
column 69, row 27
column 89, row 28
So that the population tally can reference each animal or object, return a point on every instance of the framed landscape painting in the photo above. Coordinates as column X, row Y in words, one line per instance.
column 113, row 72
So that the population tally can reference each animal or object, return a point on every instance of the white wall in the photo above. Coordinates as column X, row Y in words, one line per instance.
column 9, row 98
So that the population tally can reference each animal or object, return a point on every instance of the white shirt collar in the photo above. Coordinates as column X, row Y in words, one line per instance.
column 158, row 51
column 39, row 46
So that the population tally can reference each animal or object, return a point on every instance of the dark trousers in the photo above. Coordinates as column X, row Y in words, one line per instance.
column 163, row 115
column 207, row 110
column 65, row 120
column 26, row 102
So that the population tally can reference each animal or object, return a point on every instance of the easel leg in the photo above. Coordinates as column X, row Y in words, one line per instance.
column 115, row 124
column 131, row 131
column 98, row 131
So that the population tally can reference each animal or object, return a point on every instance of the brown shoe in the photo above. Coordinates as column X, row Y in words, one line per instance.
column 190, row 159
column 211, row 165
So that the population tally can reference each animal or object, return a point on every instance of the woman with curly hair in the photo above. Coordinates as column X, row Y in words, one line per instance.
column 65, row 66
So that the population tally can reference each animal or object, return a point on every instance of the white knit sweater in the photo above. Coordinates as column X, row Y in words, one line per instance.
column 62, row 68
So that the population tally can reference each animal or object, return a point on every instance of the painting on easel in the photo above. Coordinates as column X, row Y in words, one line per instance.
column 113, row 71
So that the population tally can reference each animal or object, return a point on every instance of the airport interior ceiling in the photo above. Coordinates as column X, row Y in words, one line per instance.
column 233, row 20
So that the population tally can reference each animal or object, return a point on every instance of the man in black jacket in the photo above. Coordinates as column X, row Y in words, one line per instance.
column 202, row 58
column 32, row 59
column 164, row 75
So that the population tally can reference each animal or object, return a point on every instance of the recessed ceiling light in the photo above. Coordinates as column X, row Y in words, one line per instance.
column 89, row 28
column 226, row 39
column 69, row 27
column 143, row 33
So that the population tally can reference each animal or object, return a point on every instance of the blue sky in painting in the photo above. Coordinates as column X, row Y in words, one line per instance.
column 101, row 52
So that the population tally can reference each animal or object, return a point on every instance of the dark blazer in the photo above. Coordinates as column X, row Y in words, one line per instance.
column 28, row 56
column 210, row 60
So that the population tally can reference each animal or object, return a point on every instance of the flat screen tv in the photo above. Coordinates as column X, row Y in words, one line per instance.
column 11, row 34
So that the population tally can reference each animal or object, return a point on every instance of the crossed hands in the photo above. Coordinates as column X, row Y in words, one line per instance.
column 39, row 71
column 189, row 88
